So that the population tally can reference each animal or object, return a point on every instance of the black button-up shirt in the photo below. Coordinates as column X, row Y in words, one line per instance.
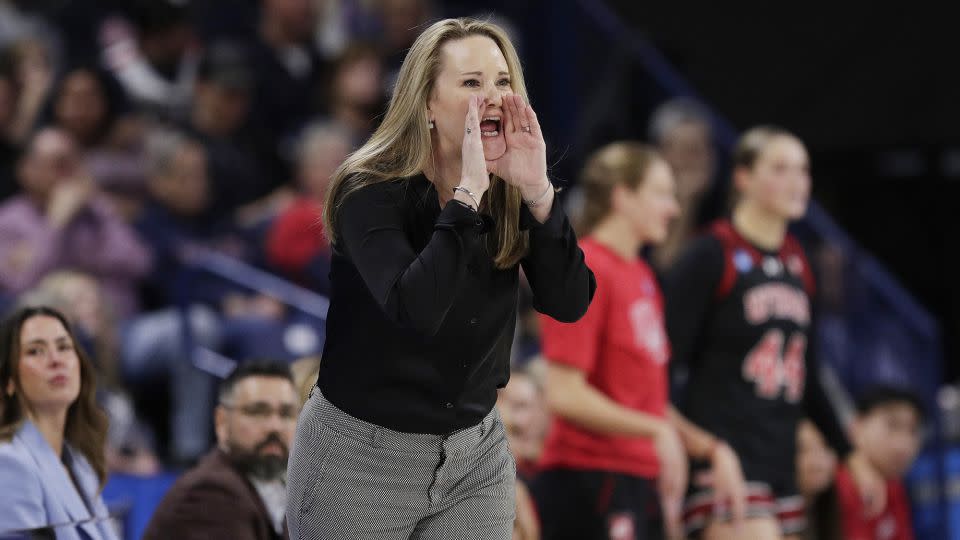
column 421, row 321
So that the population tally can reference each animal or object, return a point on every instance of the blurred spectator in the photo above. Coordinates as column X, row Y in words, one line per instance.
column 153, row 55
column 339, row 22
column 289, row 76
column 60, row 220
column 887, row 433
column 85, row 102
column 816, row 467
column 356, row 92
column 18, row 21
column 52, row 432
column 90, row 105
column 155, row 358
column 177, row 219
column 176, row 223
column 296, row 245
column 30, row 69
column 682, row 131
column 401, row 22
column 526, row 420
column 219, row 112
column 118, row 165
column 238, row 490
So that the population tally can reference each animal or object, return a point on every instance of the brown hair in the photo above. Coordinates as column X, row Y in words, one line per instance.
column 754, row 141
column 86, row 427
column 402, row 147
column 748, row 149
column 619, row 163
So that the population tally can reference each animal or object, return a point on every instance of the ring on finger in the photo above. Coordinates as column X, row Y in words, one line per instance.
column 469, row 131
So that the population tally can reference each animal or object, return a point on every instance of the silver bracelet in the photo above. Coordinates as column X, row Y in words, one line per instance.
column 538, row 200
column 469, row 194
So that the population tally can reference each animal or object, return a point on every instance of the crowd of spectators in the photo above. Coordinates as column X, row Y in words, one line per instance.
column 136, row 137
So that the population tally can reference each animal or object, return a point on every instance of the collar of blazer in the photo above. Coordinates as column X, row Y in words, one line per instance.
column 54, row 476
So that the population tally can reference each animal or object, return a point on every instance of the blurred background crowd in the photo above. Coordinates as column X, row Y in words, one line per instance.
column 140, row 137
column 162, row 171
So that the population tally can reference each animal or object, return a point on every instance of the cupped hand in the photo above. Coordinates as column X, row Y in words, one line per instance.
column 524, row 163
column 473, row 175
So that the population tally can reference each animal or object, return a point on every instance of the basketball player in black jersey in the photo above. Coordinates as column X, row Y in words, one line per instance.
column 739, row 318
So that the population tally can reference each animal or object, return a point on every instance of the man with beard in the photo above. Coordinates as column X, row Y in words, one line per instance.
column 238, row 490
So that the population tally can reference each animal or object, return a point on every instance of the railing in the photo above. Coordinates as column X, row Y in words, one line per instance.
column 247, row 276
column 243, row 274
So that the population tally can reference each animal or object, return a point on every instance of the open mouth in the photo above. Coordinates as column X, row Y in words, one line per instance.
column 490, row 126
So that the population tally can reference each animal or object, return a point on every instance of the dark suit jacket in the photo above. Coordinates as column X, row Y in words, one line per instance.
column 212, row 501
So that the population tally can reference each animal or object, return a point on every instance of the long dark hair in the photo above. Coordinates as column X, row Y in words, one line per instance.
column 86, row 427
column 112, row 94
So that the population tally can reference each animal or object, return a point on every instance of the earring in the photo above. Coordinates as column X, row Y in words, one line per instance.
column 430, row 124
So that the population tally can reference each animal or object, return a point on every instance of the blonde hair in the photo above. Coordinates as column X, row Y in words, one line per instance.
column 620, row 163
column 402, row 147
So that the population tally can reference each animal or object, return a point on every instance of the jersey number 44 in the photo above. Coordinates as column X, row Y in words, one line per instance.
column 775, row 369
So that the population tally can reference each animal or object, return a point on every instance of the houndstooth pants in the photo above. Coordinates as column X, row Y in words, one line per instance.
column 349, row 480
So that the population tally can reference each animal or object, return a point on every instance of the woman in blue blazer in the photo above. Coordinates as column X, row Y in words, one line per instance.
column 52, row 433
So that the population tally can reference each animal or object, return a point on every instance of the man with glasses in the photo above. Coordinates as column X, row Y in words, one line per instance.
column 238, row 490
